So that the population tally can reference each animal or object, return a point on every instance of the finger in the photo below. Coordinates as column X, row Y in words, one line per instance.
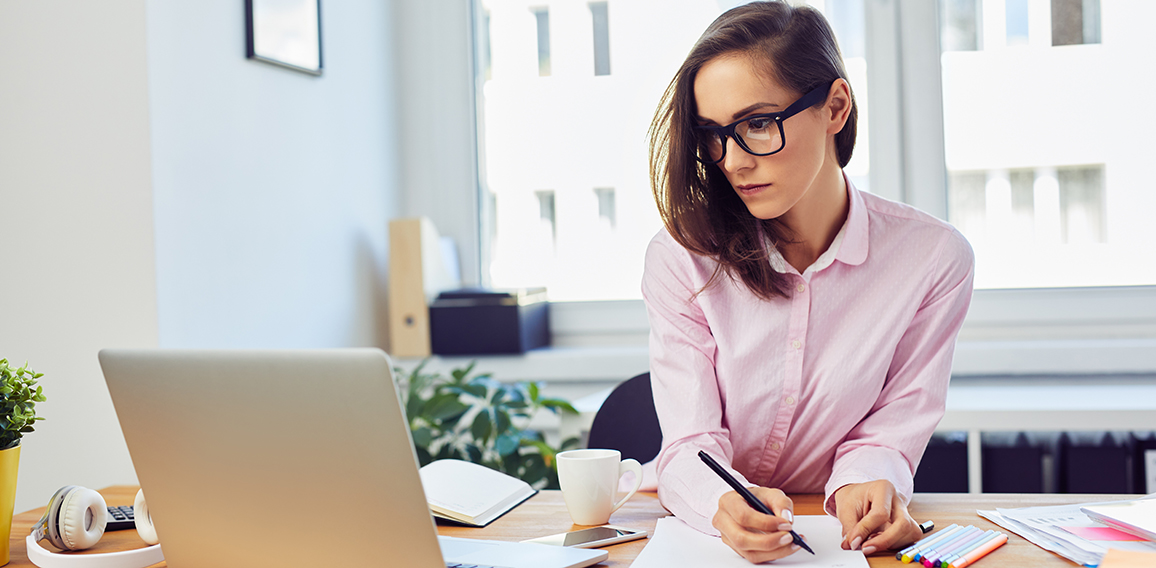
column 874, row 521
column 898, row 535
column 738, row 509
column 903, row 530
column 847, row 511
column 778, row 501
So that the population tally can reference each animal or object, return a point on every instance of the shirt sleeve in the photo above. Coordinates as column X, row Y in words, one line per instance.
column 889, row 442
column 686, row 393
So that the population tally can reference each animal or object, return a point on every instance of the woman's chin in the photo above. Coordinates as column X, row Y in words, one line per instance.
column 765, row 211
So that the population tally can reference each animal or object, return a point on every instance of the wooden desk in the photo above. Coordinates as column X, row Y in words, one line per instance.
column 546, row 514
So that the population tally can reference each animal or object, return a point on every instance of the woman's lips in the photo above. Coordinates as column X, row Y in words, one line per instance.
column 752, row 189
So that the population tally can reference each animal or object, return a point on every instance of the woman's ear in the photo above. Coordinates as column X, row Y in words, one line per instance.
column 838, row 106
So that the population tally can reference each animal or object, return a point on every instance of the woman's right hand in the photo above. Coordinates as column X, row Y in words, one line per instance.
column 756, row 536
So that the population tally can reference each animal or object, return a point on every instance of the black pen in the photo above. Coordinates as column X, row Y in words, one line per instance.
column 746, row 493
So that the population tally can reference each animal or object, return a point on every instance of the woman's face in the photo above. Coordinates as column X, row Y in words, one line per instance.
column 730, row 88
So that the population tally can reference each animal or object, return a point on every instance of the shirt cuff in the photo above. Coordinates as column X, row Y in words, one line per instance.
column 869, row 463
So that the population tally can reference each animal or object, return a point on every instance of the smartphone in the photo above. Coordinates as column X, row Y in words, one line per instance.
column 592, row 537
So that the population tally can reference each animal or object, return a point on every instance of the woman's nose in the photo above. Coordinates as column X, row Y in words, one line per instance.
column 736, row 157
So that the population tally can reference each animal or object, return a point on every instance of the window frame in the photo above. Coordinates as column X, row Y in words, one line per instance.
column 1007, row 332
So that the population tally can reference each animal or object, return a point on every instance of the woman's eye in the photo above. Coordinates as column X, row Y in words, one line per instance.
column 759, row 123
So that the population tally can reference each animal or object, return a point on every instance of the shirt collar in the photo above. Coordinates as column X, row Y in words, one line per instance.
column 849, row 246
column 853, row 249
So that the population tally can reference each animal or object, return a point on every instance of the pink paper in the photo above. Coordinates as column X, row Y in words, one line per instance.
column 1102, row 533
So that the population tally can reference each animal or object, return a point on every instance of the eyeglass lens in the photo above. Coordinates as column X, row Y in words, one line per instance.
column 757, row 135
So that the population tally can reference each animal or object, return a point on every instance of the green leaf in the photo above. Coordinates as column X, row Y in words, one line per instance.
column 423, row 456
column 498, row 396
column 460, row 375
column 445, row 406
column 533, row 388
column 482, row 427
column 476, row 391
column 423, row 437
column 502, row 421
column 507, row 444
column 474, row 453
column 557, row 404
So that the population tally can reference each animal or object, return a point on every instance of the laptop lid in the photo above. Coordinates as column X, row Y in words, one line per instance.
column 307, row 452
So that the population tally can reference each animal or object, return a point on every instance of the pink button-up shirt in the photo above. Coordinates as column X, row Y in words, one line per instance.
column 842, row 382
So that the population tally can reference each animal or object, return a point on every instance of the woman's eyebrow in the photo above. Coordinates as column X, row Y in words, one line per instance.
column 752, row 108
column 741, row 113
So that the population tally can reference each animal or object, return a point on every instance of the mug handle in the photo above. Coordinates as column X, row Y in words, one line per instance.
column 623, row 467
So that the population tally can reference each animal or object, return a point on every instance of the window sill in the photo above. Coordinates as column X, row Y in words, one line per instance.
column 602, row 364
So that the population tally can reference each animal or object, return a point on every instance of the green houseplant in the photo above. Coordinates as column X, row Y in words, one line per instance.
column 478, row 419
column 18, row 397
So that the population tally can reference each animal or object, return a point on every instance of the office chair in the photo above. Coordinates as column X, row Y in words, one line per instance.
column 627, row 421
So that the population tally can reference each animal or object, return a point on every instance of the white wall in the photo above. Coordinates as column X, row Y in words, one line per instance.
column 251, row 211
column 433, row 43
column 273, row 188
column 76, row 225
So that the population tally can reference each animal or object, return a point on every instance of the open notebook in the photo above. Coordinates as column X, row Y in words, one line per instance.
column 470, row 493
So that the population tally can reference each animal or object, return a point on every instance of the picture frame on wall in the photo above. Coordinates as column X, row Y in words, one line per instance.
column 285, row 33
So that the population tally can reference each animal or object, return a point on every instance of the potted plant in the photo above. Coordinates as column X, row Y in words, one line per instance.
column 18, row 397
column 478, row 419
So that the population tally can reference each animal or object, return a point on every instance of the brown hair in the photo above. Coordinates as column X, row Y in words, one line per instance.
column 698, row 205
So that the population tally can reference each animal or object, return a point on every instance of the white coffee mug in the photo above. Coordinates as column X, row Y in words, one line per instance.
column 589, row 480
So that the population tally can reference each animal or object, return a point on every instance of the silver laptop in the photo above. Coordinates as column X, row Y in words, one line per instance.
column 305, row 453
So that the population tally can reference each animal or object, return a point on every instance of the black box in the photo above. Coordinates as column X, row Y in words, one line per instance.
column 488, row 322
column 943, row 468
column 1103, row 468
column 1013, row 469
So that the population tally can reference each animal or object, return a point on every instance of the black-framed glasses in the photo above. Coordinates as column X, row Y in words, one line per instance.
column 758, row 135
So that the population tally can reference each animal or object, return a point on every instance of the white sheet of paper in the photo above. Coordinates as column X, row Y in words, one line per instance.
column 675, row 544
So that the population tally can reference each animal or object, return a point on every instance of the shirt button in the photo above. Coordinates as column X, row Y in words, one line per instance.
column 796, row 344
column 790, row 400
column 775, row 445
column 802, row 288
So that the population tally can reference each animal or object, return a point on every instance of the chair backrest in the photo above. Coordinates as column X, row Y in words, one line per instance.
column 627, row 421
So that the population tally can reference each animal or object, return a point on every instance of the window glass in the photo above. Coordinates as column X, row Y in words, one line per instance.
column 568, row 90
column 1047, row 177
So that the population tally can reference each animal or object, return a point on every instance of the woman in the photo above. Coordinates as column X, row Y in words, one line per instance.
column 801, row 331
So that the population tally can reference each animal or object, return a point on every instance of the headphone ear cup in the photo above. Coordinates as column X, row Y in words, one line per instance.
column 81, row 518
column 143, row 519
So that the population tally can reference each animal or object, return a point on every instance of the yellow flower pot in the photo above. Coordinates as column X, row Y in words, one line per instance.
column 9, row 460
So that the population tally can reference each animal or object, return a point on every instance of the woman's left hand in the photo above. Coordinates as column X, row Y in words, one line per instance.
column 874, row 517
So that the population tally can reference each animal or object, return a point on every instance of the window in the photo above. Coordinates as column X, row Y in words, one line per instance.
column 606, row 212
column 984, row 115
column 1075, row 22
column 1016, row 20
column 600, row 17
column 483, row 48
column 542, row 19
column 1044, row 205
column 583, row 133
column 546, row 212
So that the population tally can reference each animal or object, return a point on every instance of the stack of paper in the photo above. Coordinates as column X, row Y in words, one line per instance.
column 1136, row 517
column 1067, row 531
